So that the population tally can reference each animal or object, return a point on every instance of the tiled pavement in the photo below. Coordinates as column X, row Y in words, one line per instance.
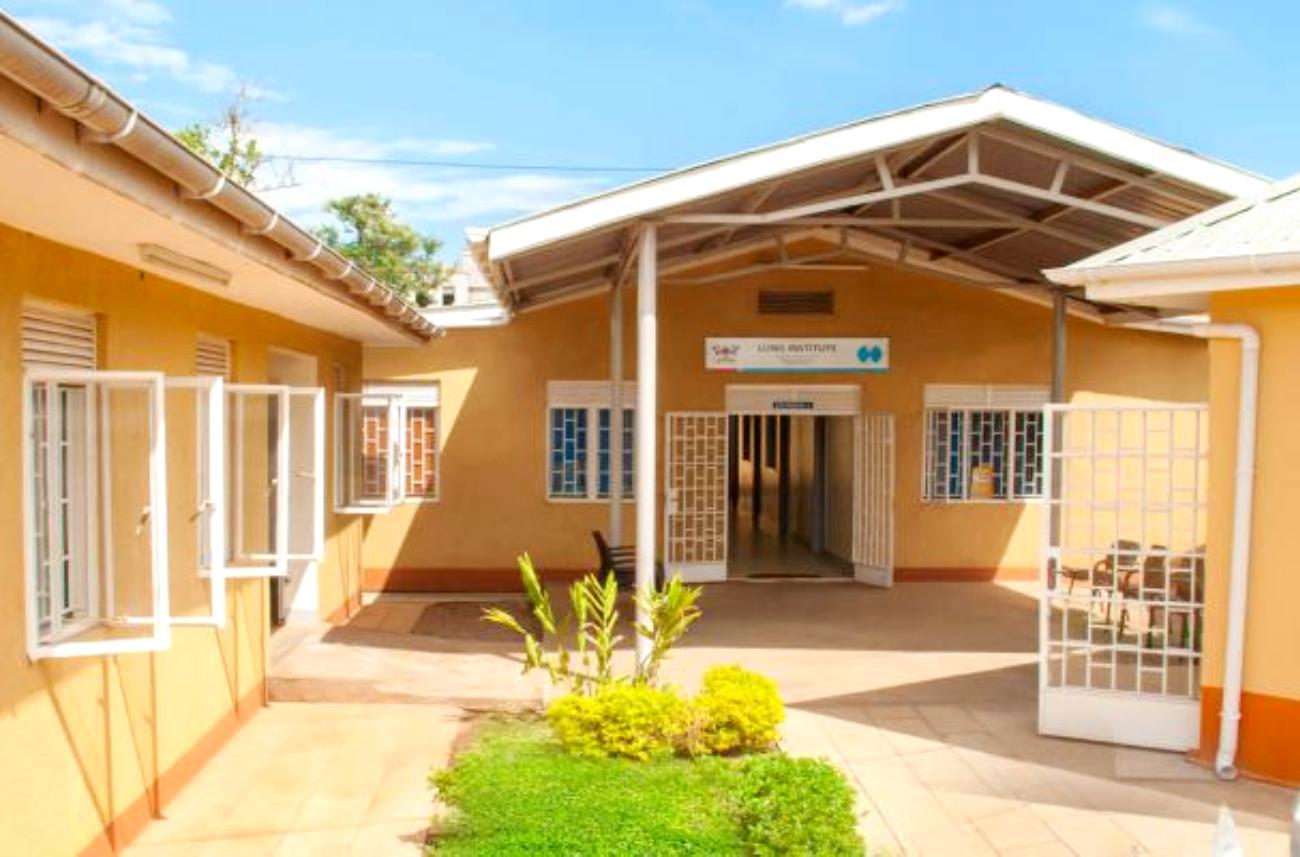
column 923, row 695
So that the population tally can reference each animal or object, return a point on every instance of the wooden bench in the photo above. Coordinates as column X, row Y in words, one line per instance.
column 621, row 559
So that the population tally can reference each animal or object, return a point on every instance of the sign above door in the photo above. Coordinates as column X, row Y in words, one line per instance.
column 799, row 354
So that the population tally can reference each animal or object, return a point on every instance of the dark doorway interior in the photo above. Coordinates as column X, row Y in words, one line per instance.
column 790, row 490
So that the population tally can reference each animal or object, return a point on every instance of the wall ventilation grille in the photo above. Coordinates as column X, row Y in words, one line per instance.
column 796, row 303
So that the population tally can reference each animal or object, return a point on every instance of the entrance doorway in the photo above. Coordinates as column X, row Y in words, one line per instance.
column 790, row 496
column 785, row 482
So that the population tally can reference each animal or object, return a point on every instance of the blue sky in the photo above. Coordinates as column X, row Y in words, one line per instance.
column 661, row 84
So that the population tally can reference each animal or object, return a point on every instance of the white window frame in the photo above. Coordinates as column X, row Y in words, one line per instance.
column 968, row 399
column 210, row 485
column 59, row 641
column 317, row 473
column 344, row 442
column 415, row 395
column 277, row 563
column 593, row 397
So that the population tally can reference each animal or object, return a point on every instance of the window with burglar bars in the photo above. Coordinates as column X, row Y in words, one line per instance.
column 579, row 447
column 418, row 411
column 983, row 443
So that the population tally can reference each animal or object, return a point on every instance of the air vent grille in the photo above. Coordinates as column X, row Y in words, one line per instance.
column 796, row 303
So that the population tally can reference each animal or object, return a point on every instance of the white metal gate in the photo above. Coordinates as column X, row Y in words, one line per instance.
column 1123, row 574
column 695, row 496
column 873, row 497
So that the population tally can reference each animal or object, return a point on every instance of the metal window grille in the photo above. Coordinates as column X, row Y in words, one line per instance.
column 603, row 452
column 973, row 454
column 568, row 452
column 421, row 452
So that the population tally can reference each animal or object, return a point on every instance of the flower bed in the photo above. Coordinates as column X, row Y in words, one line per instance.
column 516, row 791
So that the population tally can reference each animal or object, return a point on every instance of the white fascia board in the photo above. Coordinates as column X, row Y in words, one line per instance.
column 1169, row 161
column 889, row 131
column 1126, row 283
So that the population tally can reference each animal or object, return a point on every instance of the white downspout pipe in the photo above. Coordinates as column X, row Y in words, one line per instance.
column 1225, row 760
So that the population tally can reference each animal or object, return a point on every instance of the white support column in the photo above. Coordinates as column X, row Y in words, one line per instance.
column 647, row 371
column 616, row 414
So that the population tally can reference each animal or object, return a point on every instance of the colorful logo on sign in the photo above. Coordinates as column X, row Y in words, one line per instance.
column 871, row 355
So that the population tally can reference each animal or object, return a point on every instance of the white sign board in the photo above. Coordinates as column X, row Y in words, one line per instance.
column 804, row 354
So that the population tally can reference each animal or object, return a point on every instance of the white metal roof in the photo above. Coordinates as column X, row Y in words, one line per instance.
column 1251, row 242
column 990, row 187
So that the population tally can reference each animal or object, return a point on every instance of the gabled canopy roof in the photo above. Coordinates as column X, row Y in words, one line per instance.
column 988, row 188
column 1248, row 243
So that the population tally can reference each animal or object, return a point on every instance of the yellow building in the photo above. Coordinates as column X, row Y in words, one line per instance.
column 838, row 353
column 167, row 344
column 1237, row 267
column 843, row 359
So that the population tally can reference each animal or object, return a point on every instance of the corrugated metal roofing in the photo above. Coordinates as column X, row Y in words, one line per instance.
column 1260, row 225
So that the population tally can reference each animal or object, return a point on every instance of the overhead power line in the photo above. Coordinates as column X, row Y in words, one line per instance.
column 466, row 165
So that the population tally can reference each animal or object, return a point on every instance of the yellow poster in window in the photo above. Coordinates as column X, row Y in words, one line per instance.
column 981, row 482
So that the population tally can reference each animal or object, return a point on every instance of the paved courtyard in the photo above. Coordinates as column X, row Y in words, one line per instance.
column 923, row 695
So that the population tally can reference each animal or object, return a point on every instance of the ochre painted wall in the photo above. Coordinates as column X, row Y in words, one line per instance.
column 494, row 388
column 95, row 746
column 1270, row 726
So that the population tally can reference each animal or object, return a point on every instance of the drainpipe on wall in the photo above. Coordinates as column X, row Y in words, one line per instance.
column 1225, row 760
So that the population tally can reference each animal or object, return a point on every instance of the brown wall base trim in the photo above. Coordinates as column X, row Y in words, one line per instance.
column 457, row 579
column 507, row 579
column 1268, row 746
column 127, row 825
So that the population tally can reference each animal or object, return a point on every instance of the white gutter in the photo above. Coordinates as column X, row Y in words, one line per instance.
column 111, row 120
column 1225, row 760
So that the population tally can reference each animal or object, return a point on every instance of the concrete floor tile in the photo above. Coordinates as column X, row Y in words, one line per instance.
column 1016, row 828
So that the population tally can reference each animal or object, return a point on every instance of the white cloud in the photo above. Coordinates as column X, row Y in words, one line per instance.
column 1176, row 20
column 422, row 195
column 850, row 13
column 131, row 34
column 140, row 11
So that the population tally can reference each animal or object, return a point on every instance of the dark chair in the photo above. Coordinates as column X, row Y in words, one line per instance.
column 621, row 559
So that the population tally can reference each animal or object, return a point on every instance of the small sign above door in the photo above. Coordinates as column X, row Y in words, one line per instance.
column 801, row 354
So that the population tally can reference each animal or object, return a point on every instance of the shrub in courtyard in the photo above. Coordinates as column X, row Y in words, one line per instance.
column 795, row 808
column 577, row 649
column 736, row 711
column 632, row 721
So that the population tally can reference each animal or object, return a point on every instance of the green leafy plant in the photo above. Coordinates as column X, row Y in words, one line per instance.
column 736, row 711
column 795, row 808
column 578, row 649
column 630, row 721
column 671, row 611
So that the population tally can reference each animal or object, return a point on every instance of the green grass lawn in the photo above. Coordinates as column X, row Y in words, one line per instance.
column 516, row 791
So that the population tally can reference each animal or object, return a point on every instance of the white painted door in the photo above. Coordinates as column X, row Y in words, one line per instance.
column 873, row 500
column 695, row 496
column 1123, row 572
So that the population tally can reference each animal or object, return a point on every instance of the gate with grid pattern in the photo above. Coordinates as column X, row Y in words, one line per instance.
column 695, row 496
column 873, row 498
column 1123, row 574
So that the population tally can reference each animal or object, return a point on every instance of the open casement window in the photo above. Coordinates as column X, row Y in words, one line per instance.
column 579, row 440
column 306, row 457
column 420, row 416
column 95, row 511
column 199, row 511
column 983, row 443
column 369, row 452
column 257, row 480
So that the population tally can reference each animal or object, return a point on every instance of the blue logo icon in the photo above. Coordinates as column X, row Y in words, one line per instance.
column 874, row 354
